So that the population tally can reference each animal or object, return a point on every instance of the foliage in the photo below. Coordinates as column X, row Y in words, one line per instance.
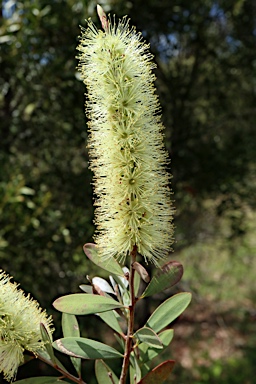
column 118, row 309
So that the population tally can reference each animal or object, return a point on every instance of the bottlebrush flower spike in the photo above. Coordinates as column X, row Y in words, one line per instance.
column 128, row 158
column 20, row 319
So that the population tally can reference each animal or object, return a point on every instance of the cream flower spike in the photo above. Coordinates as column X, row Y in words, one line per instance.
column 128, row 158
column 20, row 318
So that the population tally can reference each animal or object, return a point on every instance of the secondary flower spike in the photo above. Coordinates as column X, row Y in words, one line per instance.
column 128, row 158
column 20, row 318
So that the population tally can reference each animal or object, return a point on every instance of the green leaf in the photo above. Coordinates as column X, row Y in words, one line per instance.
column 110, row 265
column 85, row 304
column 168, row 311
column 135, row 371
column 41, row 380
column 85, row 348
column 145, row 368
column 70, row 327
column 104, row 374
column 111, row 319
column 47, row 342
column 122, row 282
column 120, row 341
column 86, row 288
column 149, row 337
column 149, row 353
column 121, row 285
column 136, row 283
column 132, row 374
column 166, row 277
column 159, row 374
column 125, row 295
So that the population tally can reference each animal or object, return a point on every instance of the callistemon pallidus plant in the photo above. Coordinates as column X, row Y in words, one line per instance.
column 20, row 318
column 133, row 216
column 125, row 143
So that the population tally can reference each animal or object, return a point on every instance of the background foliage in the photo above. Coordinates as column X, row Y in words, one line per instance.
column 205, row 51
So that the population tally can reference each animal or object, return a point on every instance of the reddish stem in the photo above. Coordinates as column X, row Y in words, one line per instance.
column 128, row 341
column 65, row 374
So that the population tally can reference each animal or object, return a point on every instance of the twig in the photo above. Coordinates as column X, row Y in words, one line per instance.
column 65, row 373
column 128, row 341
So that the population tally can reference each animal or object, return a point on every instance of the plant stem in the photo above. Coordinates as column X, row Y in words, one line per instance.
column 65, row 373
column 128, row 341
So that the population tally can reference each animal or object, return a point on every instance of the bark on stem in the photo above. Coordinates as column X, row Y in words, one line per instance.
column 128, row 341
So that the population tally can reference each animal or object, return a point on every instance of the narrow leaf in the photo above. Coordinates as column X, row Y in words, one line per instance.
column 145, row 368
column 159, row 374
column 47, row 342
column 85, row 348
column 126, row 298
column 132, row 374
column 122, row 281
column 149, row 353
column 86, row 288
column 104, row 374
column 168, row 311
column 70, row 328
column 110, row 265
column 135, row 371
column 120, row 341
column 169, row 275
column 70, row 325
column 136, row 283
column 111, row 319
column 85, row 304
column 41, row 380
column 149, row 337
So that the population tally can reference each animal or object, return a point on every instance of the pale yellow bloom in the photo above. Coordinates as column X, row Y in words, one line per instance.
column 20, row 318
column 128, row 158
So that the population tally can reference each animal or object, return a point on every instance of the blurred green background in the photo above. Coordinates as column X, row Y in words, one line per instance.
column 206, row 81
